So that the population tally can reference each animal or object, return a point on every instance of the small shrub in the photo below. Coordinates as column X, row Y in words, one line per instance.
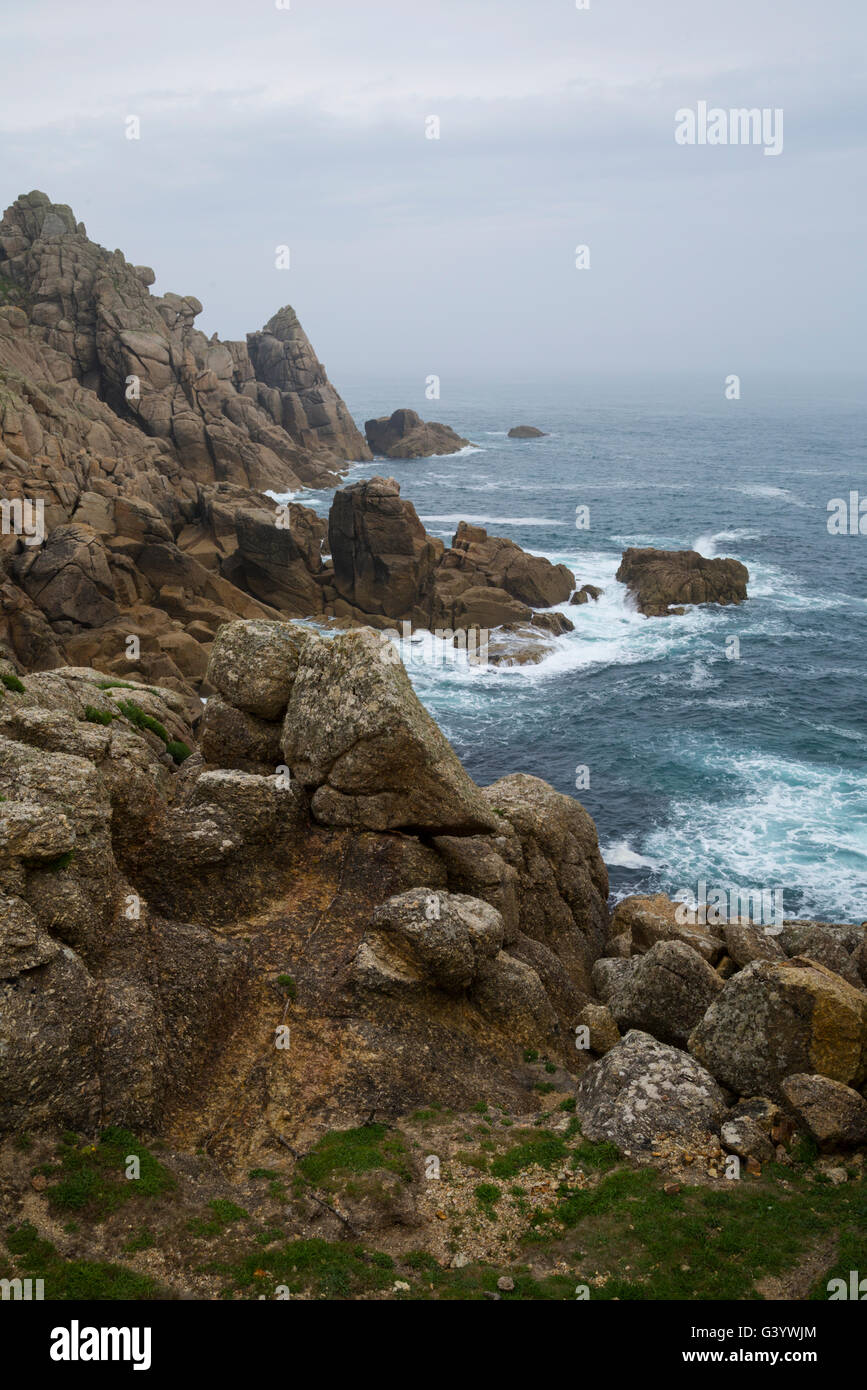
column 11, row 682
column 98, row 716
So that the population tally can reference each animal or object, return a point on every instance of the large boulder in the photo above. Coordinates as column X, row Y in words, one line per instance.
column 660, row 579
column 831, row 946
column 404, row 435
column 774, row 1019
column 647, row 920
column 253, row 665
column 643, row 1090
column 834, row 1114
column 429, row 938
column 562, row 882
column 667, row 993
column 358, row 738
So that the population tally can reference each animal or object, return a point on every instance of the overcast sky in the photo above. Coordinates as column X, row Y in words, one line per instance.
column 306, row 127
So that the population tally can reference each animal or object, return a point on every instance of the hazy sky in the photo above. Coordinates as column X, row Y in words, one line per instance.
column 306, row 126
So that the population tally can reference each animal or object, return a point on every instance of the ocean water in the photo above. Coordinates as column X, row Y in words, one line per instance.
column 748, row 773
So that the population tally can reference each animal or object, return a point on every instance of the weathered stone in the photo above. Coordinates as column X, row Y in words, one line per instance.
column 603, row 1033
column 659, row 579
column 835, row 1115
column 667, row 993
column 359, row 740
column 746, row 1138
column 774, row 1019
column 428, row 937
column 642, row 1090
column 745, row 944
column 253, row 665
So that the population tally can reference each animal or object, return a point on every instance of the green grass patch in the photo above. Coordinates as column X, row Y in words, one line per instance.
column 73, row 1280
column 98, row 716
column 91, row 1178
column 328, row 1269
column 12, row 682
column 487, row 1194
column 223, row 1213
column 602, row 1155
column 351, row 1151
column 703, row 1243
column 534, row 1146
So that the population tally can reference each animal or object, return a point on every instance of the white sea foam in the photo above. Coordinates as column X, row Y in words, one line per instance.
column 619, row 855
column 708, row 545
column 454, row 518
column 764, row 490
column 784, row 822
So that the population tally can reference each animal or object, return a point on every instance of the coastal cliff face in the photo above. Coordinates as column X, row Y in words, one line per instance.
column 137, row 452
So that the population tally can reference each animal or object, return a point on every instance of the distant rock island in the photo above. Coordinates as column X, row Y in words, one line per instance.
column 525, row 432
column 404, row 435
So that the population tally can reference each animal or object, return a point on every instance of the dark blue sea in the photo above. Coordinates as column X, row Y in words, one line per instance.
column 748, row 773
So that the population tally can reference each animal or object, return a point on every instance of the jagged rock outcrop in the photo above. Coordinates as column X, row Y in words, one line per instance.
column 404, row 435
column 293, row 387
column 384, row 560
column 525, row 432
column 150, row 893
column 136, row 451
column 530, row 579
column 386, row 564
column 135, row 455
column 662, row 581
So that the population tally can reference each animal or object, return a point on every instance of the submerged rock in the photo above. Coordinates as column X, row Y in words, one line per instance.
column 585, row 593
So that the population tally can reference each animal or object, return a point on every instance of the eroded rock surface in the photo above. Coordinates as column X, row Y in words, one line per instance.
column 662, row 581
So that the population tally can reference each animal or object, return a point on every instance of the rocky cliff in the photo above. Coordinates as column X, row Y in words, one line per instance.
column 134, row 457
